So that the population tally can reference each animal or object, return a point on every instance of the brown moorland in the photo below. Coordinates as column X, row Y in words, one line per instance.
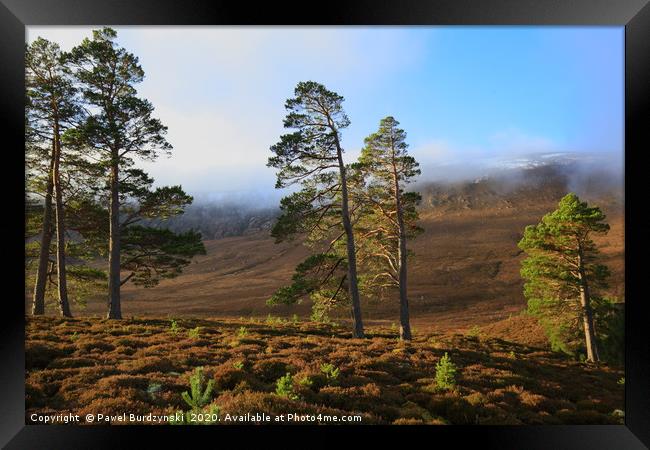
column 465, row 271
column 142, row 366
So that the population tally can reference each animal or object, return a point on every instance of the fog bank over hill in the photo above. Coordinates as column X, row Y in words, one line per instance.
column 501, row 183
column 578, row 166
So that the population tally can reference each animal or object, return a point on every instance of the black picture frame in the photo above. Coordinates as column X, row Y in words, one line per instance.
column 634, row 15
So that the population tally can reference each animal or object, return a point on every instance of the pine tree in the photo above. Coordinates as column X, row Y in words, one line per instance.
column 52, row 107
column 562, row 267
column 390, row 213
column 312, row 157
column 119, row 127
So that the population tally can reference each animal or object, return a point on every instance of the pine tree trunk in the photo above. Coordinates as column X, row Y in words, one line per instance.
column 62, row 288
column 587, row 314
column 114, row 306
column 405, row 323
column 588, row 324
column 38, row 302
column 352, row 258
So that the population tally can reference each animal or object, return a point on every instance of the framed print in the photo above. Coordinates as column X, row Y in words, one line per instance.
column 367, row 220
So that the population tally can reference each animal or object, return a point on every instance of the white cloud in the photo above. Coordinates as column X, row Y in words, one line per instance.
column 221, row 90
column 213, row 149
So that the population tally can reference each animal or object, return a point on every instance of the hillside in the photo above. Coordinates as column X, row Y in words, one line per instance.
column 141, row 366
column 465, row 271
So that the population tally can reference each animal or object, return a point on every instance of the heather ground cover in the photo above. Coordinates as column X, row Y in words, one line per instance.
column 143, row 365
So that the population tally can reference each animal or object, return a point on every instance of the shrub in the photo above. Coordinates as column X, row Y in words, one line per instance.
column 332, row 372
column 619, row 414
column 198, row 397
column 194, row 333
column 199, row 401
column 71, row 362
column 227, row 377
column 284, row 387
column 242, row 332
column 147, row 364
column 445, row 373
column 39, row 354
column 173, row 327
column 456, row 411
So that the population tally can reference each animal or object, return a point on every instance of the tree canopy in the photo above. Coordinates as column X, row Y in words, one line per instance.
column 563, row 274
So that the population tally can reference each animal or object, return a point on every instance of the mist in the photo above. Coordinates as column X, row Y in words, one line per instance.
column 225, row 213
column 584, row 172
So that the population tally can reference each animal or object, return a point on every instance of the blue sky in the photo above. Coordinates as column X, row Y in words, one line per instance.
column 462, row 94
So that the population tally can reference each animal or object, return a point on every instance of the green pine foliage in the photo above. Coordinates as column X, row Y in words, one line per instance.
column 174, row 328
column 199, row 399
column 563, row 261
column 331, row 372
column 242, row 332
column 151, row 254
column 194, row 333
column 198, row 396
column 610, row 326
column 284, row 387
column 445, row 373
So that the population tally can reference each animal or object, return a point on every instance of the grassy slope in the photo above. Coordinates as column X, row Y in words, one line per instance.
column 98, row 366
column 465, row 273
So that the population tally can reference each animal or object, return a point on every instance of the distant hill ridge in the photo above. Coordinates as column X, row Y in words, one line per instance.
column 510, row 187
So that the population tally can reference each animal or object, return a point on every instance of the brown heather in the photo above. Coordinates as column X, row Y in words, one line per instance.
column 99, row 366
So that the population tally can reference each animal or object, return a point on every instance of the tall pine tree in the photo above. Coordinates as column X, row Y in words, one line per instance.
column 312, row 157
column 390, row 214
column 562, row 267
column 52, row 107
column 120, row 126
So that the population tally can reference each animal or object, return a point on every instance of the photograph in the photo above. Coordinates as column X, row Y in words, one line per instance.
column 324, row 225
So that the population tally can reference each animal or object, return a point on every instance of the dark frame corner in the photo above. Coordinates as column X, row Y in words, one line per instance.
column 633, row 14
